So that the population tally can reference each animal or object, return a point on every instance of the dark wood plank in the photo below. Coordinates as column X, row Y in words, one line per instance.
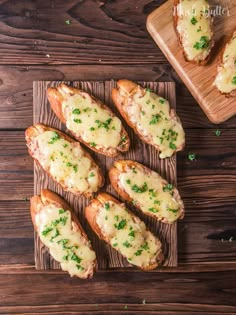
column 36, row 33
column 211, row 152
column 15, row 220
column 183, row 268
column 208, row 230
column 16, row 86
column 16, row 167
column 108, row 292
column 107, row 257
column 116, row 309
column 16, row 233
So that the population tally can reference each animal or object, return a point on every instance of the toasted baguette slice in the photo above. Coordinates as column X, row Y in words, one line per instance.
column 125, row 232
column 226, row 77
column 194, row 26
column 60, row 230
column 64, row 160
column 147, row 190
column 89, row 120
column 150, row 116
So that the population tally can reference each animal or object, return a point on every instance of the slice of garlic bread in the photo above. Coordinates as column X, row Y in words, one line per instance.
column 64, row 160
column 60, row 230
column 194, row 26
column 147, row 190
column 226, row 77
column 125, row 232
column 150, row 116
column 89, row 120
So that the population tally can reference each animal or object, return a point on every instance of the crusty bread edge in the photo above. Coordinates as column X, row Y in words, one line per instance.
column 49, row 197
column 91, row 212
column 55, row 99
column 175, row 23
column 119, row 167
column 220, row 62
column 131, row 89
column 35, row 130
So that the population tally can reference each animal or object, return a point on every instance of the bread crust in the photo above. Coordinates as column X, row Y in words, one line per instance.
column 130, row 88
column 91, row 212
column 55, row 98
column 47, row 197
column 175, row 23
column 220, row 63
column 120, row 167
column 37, row 129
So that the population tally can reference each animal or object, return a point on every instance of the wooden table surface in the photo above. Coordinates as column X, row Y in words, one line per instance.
column 104, row 40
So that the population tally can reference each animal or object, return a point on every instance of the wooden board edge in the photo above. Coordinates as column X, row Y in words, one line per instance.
column 216, row 117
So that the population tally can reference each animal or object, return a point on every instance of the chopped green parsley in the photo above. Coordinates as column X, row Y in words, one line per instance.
column 141, row 189
column 54, row 138
column 78, row 121
column 107, row 206
column 76, row 111
column 127, row 244
column 154, row 210
column 194, row 20
column 121, row 224
column 161, row 100
column 167, row 187
column 192, row 157
column 203, row 43
column 155, row 119
column 234, row 80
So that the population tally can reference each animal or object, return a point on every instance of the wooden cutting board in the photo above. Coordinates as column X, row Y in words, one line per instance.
column 198, row 79
column 107, row 257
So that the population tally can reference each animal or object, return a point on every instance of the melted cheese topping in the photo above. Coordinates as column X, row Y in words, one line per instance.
column 226, row 77
column 94, row 124
column 70, row 248
column 151, row 115
column 128, row 234
column 194, row 27
column 66, row 162
column 148, row 193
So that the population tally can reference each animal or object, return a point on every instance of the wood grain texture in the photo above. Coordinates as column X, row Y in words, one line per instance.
column 35, row 32
column 184, row 268
column 203, row 293
column 198, row 79
column 107, row 257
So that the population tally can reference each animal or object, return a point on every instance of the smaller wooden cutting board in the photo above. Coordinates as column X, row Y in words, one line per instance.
column 198, row 79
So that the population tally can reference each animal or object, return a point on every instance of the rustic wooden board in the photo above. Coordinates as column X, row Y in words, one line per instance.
column 107, row 257
column 198, row 79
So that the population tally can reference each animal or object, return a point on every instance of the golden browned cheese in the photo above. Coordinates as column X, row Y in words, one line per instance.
column 68, row 247
column 226, row 77
column 128, row 234
column 195, row 28
column 151, row 116
column 147, row 190
column 66, row 162
column 94, row 124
